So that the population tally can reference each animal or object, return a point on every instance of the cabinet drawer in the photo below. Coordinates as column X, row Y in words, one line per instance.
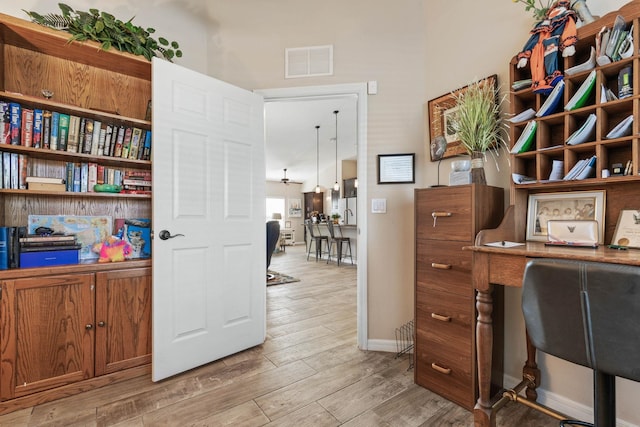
column 445, row 367
column 452, row 211
column 444, row 311
column 443, row 266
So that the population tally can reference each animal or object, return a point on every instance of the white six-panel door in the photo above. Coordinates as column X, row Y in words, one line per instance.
column 208, row 191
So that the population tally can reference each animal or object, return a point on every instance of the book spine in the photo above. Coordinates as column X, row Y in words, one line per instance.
column 15, row 171
column 55, row 124
column 146, row 155
column 81, row 133
column 77, row 177
column 97, row 127
column 69, row 179
column 63, row 132
column 72, row 136
column 84, row 177
column 100, row 178
column 23, row 161
column 5, row 123
column 46, row 129
column 88, row 136
column 136, row 134
column 16, row 122
column 27, row 127
column 117, row 151
column 4, row 248
column 126, row 143
column 37, row 128
column 107, row 141
column 93, row 176
column 102, row 139
column 6, row 170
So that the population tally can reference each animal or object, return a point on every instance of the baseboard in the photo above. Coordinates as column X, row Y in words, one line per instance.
column 388, row 346
column 564, row 405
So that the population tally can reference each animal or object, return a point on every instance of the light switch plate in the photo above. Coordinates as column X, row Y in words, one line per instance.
column 378, row 205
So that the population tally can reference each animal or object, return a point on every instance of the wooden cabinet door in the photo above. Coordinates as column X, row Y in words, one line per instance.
column 123, row 319
column 47, row 333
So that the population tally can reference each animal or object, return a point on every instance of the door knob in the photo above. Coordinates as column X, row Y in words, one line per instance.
column 166, row 235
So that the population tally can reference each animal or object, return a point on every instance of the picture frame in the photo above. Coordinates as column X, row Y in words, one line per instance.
column 627, row 232
column 441, row 111
column 396, row 168
column 287, row 224
column 295, row 208
column 574, row 205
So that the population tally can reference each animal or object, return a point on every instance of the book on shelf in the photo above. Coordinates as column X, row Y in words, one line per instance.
column 102, row 138
column 583, row 94
column 15, row 111
column 6, row 170
column 5, row 123
column 521, row 84
column 95, row 141
column 43, row 248
column 522, row 179
column 106, row 149
column 525, row 141
column 15, row 170
column 587, row 65
column 63, row 131
column 45, row 180
column 585, row 133
column 146, row 153
column 126, row 143
column 40, row 238
column 117, row 150
column 553, row 100
column 26, row 138
column 88, row 136
column 584, row 168
column 37, row 128
column 44, row 186
column 606, row 94
column 623, row 128
column 55, row 125
column 15, row 233
column 23, row 167
column 557, row 170
column 136, row 135
column 93, row 176
column 4, row 248
column 527, row 114
column 625, row 83
column 615, row 34
column 46, row 129
column 74, row 133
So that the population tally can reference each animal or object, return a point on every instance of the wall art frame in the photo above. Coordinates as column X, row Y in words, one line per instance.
column 441, row 111
column 396, row 168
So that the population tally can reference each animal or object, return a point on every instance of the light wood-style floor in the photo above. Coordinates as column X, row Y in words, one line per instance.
column 309, row 372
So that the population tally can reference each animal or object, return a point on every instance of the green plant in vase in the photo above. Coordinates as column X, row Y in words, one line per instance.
column 478, row 123
column 335, row 217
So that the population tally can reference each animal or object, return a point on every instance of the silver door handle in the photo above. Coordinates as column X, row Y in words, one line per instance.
column 166, row 235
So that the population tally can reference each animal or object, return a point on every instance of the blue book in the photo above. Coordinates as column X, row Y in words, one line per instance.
column 55, row 122
column 4, row 248
column 37, row 128
column 15, row 110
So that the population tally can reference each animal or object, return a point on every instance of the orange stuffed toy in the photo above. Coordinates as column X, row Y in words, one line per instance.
column 112, row 250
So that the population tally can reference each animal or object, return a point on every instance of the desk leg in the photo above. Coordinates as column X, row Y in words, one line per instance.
column 483, row 414
column 530, row 370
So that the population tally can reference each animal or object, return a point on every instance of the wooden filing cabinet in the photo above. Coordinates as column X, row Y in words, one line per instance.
column 447, row 219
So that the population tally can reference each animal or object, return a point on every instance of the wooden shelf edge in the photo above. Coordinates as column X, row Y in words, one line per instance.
column 73, row 194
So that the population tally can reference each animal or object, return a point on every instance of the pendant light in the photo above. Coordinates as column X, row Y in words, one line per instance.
column 336, row 186
column 317, row 159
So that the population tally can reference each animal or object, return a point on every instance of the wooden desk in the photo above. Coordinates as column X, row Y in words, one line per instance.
column 505, row 266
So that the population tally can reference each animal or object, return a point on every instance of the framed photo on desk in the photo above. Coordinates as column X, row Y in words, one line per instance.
column 627, row 229
column 574, row 205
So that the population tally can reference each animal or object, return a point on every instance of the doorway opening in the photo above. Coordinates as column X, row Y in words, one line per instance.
column 359, row 91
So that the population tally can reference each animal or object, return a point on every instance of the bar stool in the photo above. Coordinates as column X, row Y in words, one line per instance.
column 586, row 313
column 338, row 240
column 315, row 238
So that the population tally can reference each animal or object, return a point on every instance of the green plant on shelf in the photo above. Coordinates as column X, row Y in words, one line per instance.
column 104, row 28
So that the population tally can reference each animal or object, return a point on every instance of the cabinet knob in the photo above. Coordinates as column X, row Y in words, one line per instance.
column 88, row 327
column 436, row 367
column 102, row 324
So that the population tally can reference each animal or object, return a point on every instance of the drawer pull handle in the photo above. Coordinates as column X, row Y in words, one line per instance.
column 436, row 215
column 436, row 367
column 440, row 317
column 441, row 266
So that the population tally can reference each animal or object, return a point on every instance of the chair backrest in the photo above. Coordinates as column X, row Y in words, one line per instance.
column 273, row 235
column 309, row 225
column 331, row 229
column 585, row 312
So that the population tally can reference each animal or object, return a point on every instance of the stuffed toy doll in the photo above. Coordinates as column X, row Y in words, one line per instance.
column 112, row 250
column 554, row 35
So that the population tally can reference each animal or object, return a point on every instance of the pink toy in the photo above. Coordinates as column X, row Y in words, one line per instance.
column 112, row 250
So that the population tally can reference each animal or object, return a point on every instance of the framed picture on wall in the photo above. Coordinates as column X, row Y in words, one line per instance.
column 295, row 208
column 396, row 168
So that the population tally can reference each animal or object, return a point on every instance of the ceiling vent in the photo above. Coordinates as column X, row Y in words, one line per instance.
column 308, row 61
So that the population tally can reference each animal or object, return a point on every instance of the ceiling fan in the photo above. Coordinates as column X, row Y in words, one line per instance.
column 286, row 180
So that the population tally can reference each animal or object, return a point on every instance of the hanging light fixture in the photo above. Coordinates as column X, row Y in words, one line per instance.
column 317, row 159
column 336, row 186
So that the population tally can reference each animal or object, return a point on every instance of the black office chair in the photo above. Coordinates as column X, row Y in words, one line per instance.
column 339, row 240
column 316, row 238
column 587, row 313
column 273, row 235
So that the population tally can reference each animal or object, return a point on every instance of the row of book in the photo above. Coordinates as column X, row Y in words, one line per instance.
column 78, row 176
column 19, row 249
column 39, row 128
